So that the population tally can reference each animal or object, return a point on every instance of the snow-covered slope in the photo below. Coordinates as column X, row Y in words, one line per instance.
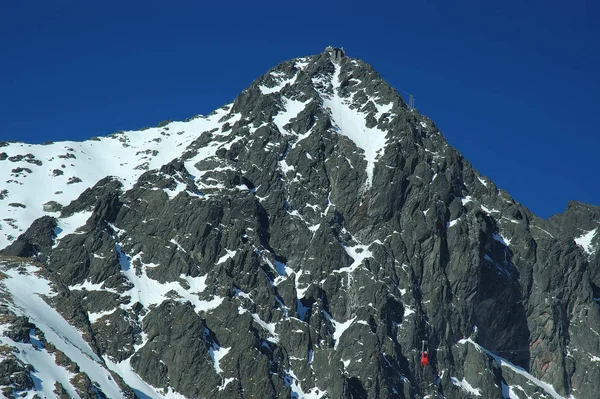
column 60, row 339
column 351, row 123
column 34, row 175
column 509, row 391
column 57, row 331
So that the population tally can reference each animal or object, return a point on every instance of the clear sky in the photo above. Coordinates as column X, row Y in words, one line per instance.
column 514, row 85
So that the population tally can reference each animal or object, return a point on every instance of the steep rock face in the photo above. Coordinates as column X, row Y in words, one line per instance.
column 305, row 244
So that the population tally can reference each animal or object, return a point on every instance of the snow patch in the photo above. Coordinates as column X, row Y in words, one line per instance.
column 452, row 223
column 300, row 291
column 89, row 286
column 301, row 64
column 151, row 292
column 291, row 109
column 69, row 225
column 585, row 241
column 93, row 317
column 216, row 354
column 226, row 382
column 464, row 385
column 56, row 329
column 352, row 124
column 281, row 83
column 285, row 168
column 338, row 327
column 139, row 386
column 505, row 363
column 269, row 327
column 179, row 188
column 172, row 241
column 229, row 255
column 292, row 381
column 65, row 169
column 502, row 240
column 46, row 372
column 508, row 392
column 358, row 253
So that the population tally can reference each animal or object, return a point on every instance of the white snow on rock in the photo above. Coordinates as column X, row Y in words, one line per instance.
column 291, row 109
column 46, row 372
column 226, row 382
column 352, row 124
column 506, row 364
column 508, row 392
column 269, row 327
column 487, row 210
column 300, row 291
column 464, row 385
column 69, row 225
column 281, row 83
column 452, row 223
column 151, row 292
column 501, row 239
column 66, row 226
column 229, row 255
column 285, row 168
column 292, row 381
column 216, row 354
column 139, row 386
column 179, row 188
column 89, row 286
column 94, row 317
column 301, row 63
column 339, row 327
column 539, row 228
column 125, row 155
column 56, row 329
column 358, row 253
column 408, row 310
column 302, row 137
column 585, row 241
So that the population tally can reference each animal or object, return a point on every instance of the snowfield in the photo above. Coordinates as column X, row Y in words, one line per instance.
column 57, row 330
column 32, row 175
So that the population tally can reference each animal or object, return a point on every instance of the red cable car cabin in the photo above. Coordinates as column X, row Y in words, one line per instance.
column 424, row 359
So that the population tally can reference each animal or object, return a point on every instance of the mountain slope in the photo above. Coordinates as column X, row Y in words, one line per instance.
column 302, row 242
column 38, row 175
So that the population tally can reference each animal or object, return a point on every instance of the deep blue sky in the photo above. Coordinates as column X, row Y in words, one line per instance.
column 514, row 85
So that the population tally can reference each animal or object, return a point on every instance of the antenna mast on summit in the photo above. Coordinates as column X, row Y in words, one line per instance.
column 411, row 99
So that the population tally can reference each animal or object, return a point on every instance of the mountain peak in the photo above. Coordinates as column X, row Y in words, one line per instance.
column 336, row 53
column 308, row 240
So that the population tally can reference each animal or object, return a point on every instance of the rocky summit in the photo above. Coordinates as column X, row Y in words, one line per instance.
column 312, row 239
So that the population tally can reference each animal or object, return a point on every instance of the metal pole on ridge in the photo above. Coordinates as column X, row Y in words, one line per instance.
column 411, row 98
